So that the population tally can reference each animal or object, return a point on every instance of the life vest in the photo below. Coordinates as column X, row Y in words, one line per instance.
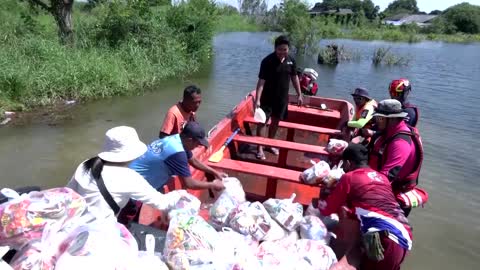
column 308, row 86
column 358, row 113
column 378, row 154
column 417, row 113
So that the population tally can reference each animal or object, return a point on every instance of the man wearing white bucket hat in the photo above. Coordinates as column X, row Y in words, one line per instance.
column 109, row 169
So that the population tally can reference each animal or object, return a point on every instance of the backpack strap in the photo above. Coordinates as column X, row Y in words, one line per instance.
column 107, row 196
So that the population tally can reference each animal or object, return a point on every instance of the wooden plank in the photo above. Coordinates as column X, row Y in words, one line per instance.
column 257, row 169
column 291, row 125
column 302, row 147
column 314, row 111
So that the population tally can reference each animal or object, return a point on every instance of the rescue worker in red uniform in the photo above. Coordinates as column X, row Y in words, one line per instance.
column 399, row 90
column 308, row 82
column 396, row 150
column 385, row 232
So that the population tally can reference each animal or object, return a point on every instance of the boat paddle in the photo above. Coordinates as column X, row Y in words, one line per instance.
column 218, row 156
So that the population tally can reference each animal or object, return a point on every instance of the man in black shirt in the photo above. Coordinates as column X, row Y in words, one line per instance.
column 276, row 71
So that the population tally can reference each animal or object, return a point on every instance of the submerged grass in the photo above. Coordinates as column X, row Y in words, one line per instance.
column 331, row 56
column 383, row 55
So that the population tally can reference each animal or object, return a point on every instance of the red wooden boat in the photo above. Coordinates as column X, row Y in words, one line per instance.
column 302, row 136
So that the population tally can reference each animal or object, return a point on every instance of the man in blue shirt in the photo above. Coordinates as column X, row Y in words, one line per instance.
column 172, row 155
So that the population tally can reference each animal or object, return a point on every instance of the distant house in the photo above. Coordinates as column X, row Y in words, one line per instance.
column 318, row 11
column 419, row 19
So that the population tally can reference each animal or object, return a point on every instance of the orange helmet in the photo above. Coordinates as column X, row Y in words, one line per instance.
column 399, row 87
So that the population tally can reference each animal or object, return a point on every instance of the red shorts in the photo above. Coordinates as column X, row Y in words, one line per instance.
column 393, row 254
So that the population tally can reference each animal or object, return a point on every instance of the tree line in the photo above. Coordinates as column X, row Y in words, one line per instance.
column 463, row 18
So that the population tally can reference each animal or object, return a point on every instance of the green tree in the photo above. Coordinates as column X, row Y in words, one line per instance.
column 326, row 5
column 226, row 9
column 253, row 8
column 354, row 5
column 93, row 3
column 465, row 17
column 440, row 26
column 370, row 10
column 357, row 6
column 401, row 6
column 304, row 32
column 61, row 10
column 194, row 21
column 272, row 18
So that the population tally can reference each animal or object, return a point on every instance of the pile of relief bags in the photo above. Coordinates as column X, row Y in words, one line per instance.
column 241, row 235
column 321, row 173
column 49, row 233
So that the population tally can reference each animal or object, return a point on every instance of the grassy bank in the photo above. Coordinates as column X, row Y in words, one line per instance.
column 236, row 23
column 118, row 50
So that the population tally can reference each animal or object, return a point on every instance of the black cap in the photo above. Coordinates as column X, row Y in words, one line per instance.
column 361, row 92
column 355, row 152
column 193, row 130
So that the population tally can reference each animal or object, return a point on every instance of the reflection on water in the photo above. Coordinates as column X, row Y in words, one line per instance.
column 445, row 82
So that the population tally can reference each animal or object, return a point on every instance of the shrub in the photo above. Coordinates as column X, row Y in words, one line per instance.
column 383, row 55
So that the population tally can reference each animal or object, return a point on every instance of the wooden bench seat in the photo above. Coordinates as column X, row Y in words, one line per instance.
column 307, row 148
column 296, row 126
column 314, row 111
column 257, row 169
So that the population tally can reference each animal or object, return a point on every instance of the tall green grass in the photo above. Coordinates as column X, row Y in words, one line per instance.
column 40, row 72
column 236, row 23
column 119, row 50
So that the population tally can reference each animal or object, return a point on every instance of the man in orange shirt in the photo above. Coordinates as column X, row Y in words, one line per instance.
column 182, row 112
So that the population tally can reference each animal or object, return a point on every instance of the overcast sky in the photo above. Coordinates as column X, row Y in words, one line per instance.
column 423, row 5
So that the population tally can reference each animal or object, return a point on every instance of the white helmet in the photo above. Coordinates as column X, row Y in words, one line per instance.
column 311, row 72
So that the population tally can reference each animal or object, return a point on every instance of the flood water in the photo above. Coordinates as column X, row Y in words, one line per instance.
column 446, row 81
